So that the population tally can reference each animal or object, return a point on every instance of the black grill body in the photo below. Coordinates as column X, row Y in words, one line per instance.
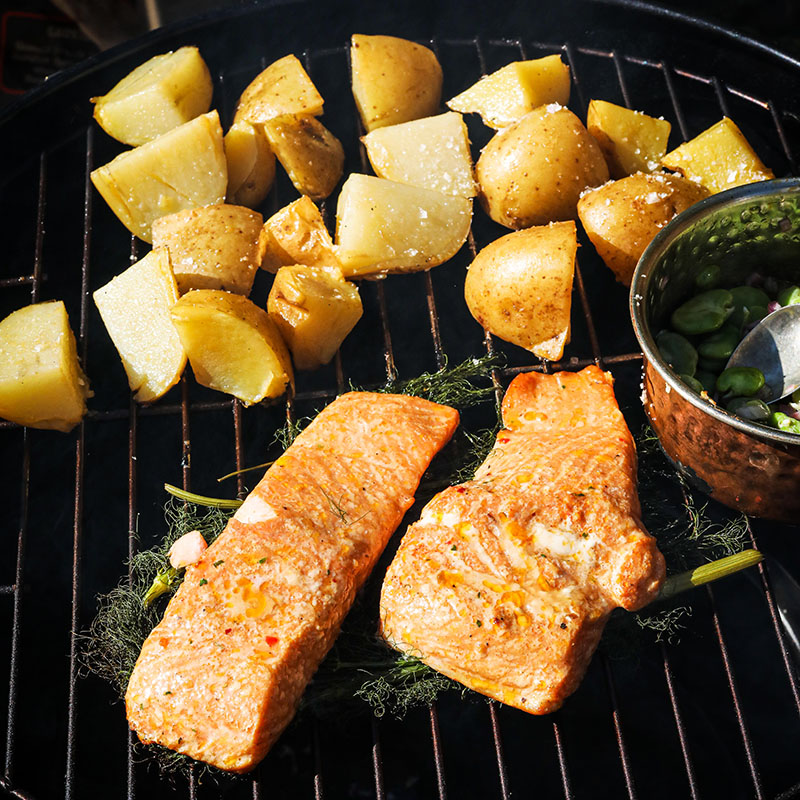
column 716, row 716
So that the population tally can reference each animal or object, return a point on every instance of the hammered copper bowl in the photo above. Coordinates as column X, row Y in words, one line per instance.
column 746, row 466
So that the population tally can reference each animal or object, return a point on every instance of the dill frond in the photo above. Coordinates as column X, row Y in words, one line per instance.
column 200, row 499
column 478, row 446
column 291, row 429
column 452, row 386
column 407, row 684
column 665, row 624
column 111, row 645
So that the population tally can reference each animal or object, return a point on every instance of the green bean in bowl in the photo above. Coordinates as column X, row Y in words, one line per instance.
column 706, row 328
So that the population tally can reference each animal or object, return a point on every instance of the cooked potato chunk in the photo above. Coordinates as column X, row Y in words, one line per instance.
column 41, row 382
column 509, row 94
column 311, row 155
column 282, row 88
column 164, row 92
column 519, row 287
column 314, row 309
column 135, row 307
column 630, row 140
column 534, row 171
column 719, row 158
column 184, row 168
column 297, row 235
column 383, row 226
column 233, row 345
column 251, row 164
column 432, row 153
column 621, row 218
column 394, row 80
column 212, row 247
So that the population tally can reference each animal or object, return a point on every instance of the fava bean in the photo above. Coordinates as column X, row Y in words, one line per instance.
column 783, row 422
column 749, row 296
column 708, row 277
column 748, row 408
column 678, row 352
column 692, row 383
column 703, row 313
column 740, row 381
column 708, row 380
column 789, row 296
column 720, row 344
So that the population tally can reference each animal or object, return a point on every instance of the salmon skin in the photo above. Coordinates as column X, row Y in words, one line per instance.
column 221, row 675
column 506, row 582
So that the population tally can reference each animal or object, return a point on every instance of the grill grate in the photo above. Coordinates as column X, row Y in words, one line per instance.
column 447, row 750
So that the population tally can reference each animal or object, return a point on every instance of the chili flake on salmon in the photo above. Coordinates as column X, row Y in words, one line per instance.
column 221, row 675
column 506, row 582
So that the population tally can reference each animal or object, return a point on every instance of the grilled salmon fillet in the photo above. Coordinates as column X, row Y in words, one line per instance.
column 506, row 582
column 221, row 675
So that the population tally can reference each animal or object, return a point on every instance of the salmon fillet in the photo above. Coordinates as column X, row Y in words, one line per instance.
column 221, row 675
column 506, row 582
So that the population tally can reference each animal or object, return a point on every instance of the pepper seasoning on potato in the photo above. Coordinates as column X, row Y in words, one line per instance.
column 394, row 80
column 533, row 172
column 282, row 104
column 213, row 247
column 519, row 287
column 622, row 217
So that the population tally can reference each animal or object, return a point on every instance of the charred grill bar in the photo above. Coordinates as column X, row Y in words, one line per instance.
column 314, row 765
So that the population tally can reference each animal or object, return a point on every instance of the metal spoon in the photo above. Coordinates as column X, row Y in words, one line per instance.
column 773, row 346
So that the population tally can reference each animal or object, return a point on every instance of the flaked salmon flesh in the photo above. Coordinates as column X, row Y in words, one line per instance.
column 506, row 582
column 221, row 675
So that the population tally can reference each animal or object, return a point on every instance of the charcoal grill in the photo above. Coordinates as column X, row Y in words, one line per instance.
column 716, row 716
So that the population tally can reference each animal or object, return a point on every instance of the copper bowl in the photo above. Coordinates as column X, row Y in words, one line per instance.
column 744, row 465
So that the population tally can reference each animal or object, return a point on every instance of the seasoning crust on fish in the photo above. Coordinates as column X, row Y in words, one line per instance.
column 506, row 582
column 221, row 675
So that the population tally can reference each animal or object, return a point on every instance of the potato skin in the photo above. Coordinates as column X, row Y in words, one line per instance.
column 213, row 247
column 394, row 80
column 621, row 218
column 534, row 171
column 519, row 287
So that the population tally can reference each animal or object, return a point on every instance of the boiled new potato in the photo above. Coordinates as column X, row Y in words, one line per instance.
column 519, row 287
column 432, row 153
column 297, row 235
column 383, row 226
column 630, row 140
column 213, row 247
column 534, row 171
column 394, row 80
column 251, row 164
column 232, row 344
column 135, row 307
column 509, row 94
column 42, row 384
column 311, row 155
column 719, row 158
column 282, row 88
column 622, row 217
column 314, row 309
column 184, row 168
column 164, row 92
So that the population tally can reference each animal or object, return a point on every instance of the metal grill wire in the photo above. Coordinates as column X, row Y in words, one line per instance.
column 309, row 771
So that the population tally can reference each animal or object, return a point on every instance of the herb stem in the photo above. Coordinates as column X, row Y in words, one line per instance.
column 707, row 573
column 199, row 499
column 246, row 469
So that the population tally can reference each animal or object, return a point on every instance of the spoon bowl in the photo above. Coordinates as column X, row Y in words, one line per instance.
column 773, row 346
